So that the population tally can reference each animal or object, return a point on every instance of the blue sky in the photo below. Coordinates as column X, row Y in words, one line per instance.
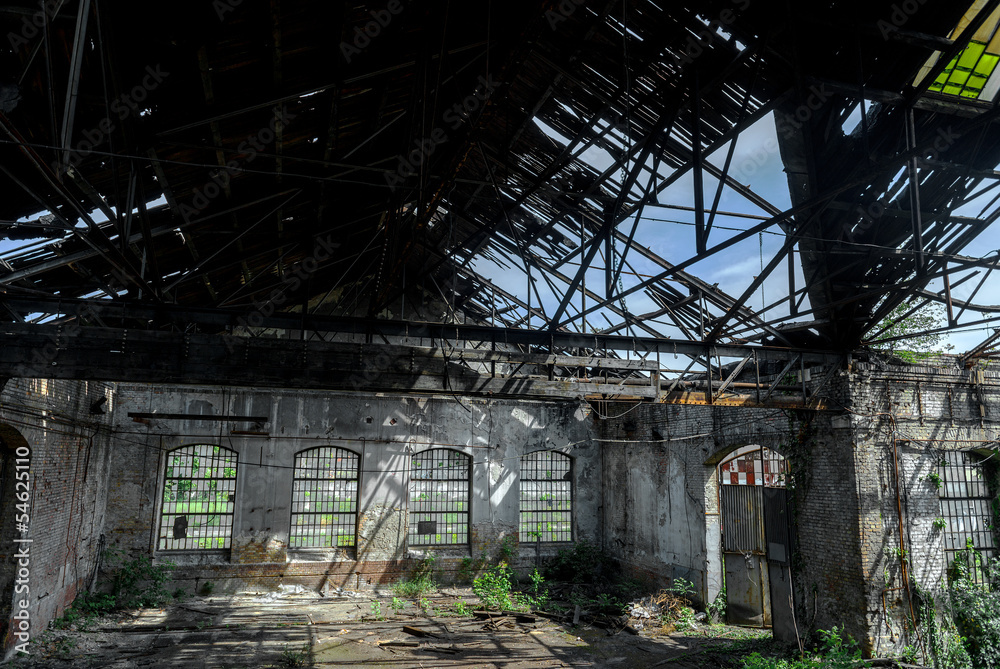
column 669, row 233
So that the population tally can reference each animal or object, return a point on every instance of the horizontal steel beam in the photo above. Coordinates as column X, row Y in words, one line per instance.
column 160, row 315
column 149, row 356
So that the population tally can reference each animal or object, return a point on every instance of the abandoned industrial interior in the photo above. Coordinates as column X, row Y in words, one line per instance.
column 301, row 298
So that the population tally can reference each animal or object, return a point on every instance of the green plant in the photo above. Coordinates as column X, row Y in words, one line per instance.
column 494, row 587
column 901, row 323
column 717, row 609
column 508, row 549
column 377, row 611
column 420, row 581
column 685, row 621
column 295, row 658
column 583, row 563
column 539, row 594
column 397, row 605
column 135, row 583
column 833, row 652
column 607, row 604
column 207, row 587
column 682, row 588
column 935, row 480
column 975, row 606
column 461, row 608
column 939, row 524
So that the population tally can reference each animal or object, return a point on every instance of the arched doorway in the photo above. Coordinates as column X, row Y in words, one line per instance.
column 755, row 545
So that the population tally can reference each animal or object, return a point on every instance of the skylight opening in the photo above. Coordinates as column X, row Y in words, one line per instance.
column 972, row 74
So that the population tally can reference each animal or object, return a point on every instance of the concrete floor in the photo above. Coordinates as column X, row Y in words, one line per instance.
column 305, row 630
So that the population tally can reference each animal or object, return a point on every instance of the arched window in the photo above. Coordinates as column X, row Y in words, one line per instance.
column 546, row 498
column 755, row 466
column 439, row 498
column 199, row 496
column 965, row 507
column 324, row 498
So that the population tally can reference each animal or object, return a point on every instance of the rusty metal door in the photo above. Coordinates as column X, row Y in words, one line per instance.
column 779, row 560
column 744, row 556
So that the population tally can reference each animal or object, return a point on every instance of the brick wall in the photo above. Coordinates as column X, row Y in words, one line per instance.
column 68, row 483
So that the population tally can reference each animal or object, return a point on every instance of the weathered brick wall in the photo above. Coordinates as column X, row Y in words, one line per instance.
column 903, row 417
column 68, row 483
column 385, row 430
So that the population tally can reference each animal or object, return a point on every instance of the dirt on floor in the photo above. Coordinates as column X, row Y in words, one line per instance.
column 301, row 629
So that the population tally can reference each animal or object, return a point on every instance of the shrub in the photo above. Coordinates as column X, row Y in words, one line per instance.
column 834, row 652
column 495, row 587
column 584, row 563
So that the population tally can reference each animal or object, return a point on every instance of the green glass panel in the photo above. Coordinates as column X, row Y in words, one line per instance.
column 958, row 77
column 970, row 55
column 987, row 64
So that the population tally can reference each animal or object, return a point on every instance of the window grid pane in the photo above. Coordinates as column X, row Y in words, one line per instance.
column 546, row 498
column 199, row 496
column 324, row 498
column 758, row 467
column 965, row 507
column 439, row 498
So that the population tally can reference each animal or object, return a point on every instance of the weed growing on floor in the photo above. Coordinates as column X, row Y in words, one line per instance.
column 717, row 609
column 495, row 587
column 295, row 658
column 835, row 651
column 420, row 580
column 377, row 611
column 397, row 605
column 136, row 583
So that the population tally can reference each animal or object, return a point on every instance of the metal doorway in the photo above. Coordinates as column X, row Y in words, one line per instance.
column 751, row 496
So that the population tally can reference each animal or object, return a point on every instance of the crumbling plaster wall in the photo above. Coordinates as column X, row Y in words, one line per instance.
column 385, row 429
column 65, row 484
column 661, row 492
column 661, row 512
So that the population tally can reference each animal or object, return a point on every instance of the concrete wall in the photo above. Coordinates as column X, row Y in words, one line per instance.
column 385, row 430
column 65, row 485
column 884, row 431
column 661, row 494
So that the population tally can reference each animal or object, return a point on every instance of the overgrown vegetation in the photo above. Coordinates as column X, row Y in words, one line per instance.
column 975, row 606
column 834, row 651
column 421, row 579
column 136, row 583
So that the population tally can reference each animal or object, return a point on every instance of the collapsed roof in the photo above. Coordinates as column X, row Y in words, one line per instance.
column 512, row 161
